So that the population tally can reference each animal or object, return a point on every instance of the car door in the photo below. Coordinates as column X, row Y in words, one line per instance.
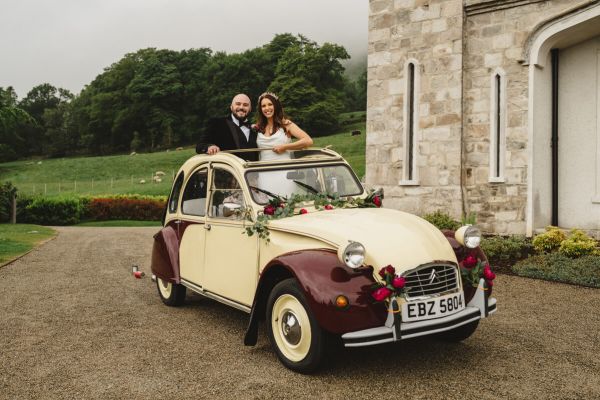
column 230, row 257
column 192, row 228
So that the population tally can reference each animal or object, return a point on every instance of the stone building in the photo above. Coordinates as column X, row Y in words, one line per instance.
column 465, row 101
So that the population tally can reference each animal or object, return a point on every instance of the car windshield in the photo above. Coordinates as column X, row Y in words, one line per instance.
column 330, row 180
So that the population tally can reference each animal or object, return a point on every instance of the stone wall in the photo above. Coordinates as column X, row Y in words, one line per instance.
column 496, row 40
column 458, row 44
column 431, row 33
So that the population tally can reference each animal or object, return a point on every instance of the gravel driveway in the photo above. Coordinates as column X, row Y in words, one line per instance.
column 75, row 324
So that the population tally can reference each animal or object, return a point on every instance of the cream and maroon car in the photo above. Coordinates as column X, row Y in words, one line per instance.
column 312, row 280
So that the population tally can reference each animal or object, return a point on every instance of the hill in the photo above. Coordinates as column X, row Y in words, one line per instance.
column 122, row 174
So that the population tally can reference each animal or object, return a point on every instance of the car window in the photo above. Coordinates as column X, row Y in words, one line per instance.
column 174, row 197
column 193, row 200
column 227, row 197
column 330, row 180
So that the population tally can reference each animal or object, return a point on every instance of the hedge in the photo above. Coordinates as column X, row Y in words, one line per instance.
column 72, row 210
column 560, row 268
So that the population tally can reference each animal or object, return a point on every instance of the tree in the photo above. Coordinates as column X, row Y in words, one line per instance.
column 310, row 82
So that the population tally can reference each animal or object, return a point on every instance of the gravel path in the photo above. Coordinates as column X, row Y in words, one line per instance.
column 75, row 324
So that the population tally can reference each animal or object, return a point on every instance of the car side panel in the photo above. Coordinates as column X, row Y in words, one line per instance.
column 322, row 277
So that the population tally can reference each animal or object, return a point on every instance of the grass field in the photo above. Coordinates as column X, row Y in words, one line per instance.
column 121, row 174
column 18, row 239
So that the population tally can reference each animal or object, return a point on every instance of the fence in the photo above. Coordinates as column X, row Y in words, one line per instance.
column 151, row 184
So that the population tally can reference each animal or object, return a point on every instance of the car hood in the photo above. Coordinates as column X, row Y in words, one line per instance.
column 389, row 236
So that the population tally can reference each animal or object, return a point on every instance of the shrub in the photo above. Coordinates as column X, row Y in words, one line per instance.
column 560, row 268
column 502, row 250
column 7, row 190
column 548, row 241
column 442, row 220
column 578, row 244
column 49, row 210
column 101, row 209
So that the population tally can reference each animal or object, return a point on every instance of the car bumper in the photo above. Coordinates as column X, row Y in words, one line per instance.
column 478, row 308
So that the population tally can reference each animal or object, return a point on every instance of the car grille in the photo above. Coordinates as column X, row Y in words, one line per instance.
column 431, row 279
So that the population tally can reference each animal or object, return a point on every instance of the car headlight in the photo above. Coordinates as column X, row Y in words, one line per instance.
column 469, row 236
column 353, row 255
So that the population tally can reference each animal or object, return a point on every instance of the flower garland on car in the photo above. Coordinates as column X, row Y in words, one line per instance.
column 473, row 269
column 391, row 286
column 281, row 207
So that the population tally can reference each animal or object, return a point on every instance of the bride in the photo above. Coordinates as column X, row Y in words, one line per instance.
column 275, row 133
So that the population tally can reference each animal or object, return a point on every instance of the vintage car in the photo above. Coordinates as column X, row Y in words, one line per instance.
column 348, row 271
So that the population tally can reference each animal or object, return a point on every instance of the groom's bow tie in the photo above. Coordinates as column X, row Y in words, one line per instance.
column 246, row 123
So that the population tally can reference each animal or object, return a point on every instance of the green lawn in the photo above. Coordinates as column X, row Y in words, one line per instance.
column 121, row 174
column 18, row 239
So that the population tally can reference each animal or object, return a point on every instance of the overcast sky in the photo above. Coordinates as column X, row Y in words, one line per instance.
column 68, row 42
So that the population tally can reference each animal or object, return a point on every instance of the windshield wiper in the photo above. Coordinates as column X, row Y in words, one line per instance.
column 311, row 189
column 273, row 195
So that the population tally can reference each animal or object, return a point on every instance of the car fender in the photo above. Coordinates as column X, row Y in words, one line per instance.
column 165, row 255
column 322, row 277
column 461, row 253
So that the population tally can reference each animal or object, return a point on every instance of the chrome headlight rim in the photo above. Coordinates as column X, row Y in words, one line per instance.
column 468, row 236
column 353, row 255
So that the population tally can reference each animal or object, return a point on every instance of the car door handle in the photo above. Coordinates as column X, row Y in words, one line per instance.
column 207, row 227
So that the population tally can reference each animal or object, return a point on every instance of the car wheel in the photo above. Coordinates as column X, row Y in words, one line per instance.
column 459, row 334
column 292, row 328
column 170, row 293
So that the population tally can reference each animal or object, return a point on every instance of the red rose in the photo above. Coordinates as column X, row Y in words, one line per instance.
column 470, row 261
column 377, row 201
column 488, row 275
column 328, row 207
column 390, row 270
column 381, row 294
column 399, row 282
column 382, row 272
column 303, row 211
column 269, row 210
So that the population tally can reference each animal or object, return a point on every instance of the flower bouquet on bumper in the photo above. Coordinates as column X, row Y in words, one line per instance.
column 388, row 289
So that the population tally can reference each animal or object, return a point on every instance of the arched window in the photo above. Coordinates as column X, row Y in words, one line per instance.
column 497, row 126
column 411, row 123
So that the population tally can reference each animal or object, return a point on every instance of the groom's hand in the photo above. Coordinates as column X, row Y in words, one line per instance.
column 212, row 149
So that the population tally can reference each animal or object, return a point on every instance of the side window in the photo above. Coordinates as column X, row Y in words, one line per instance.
column 227, row 195
column 193, row 201
column 174, row 198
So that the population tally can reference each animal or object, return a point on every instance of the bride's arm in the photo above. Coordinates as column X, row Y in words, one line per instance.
column 303, row 139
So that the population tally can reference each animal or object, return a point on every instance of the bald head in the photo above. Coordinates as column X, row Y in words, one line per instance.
column 240, row 106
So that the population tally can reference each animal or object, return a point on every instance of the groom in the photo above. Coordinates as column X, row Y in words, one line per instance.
column 232, row 132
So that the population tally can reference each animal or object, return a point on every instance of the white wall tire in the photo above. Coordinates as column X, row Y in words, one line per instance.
column 293, row 331
column 171, row 294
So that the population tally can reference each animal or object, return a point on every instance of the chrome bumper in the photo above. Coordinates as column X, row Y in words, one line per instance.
column 478, row 308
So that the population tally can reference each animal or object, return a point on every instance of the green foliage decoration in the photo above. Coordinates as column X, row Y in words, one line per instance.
column 281, row 207
column 549, row 241
column 442, row 220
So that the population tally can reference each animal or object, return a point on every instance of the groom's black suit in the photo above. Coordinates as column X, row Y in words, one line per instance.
column 227, row 135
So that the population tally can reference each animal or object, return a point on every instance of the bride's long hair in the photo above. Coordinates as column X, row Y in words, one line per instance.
column 279, row 118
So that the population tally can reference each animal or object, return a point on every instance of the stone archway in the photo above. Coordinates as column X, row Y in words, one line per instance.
column 576, row 35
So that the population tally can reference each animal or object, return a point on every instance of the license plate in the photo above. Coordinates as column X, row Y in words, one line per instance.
column 433, row 308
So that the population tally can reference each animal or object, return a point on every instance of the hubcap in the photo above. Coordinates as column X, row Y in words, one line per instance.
column 164, row 288
column 292, row 331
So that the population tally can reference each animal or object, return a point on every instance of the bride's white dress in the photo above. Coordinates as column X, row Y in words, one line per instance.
column 275, row 181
